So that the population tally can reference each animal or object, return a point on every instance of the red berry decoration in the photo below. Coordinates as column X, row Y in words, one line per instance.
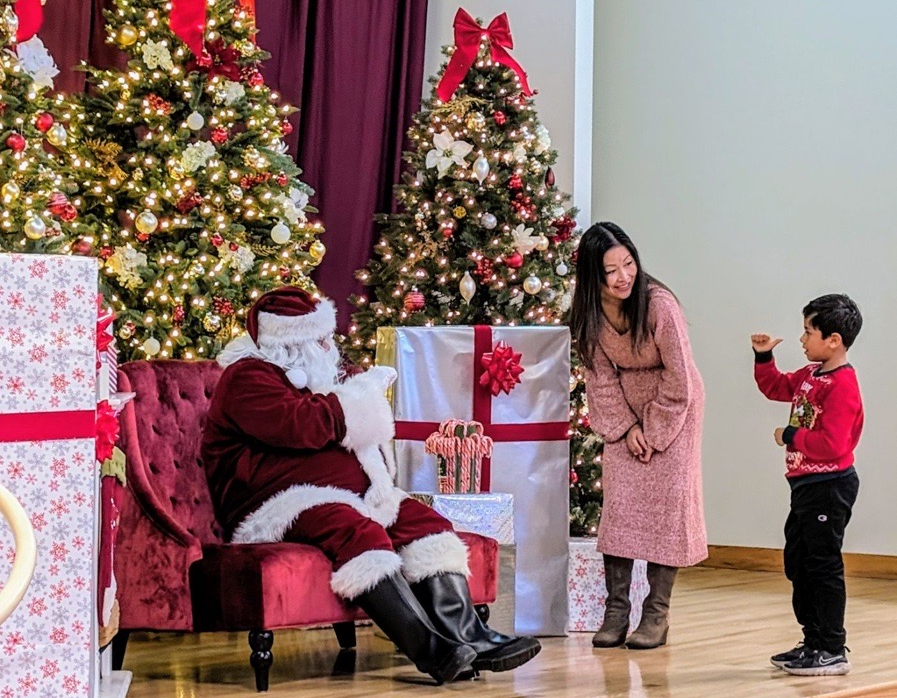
column 285, row 273
column 564, row 227
column 16, row 142
column 514, row 261
column 414, row 301
column 44, row 121
column 189, row 201
column 282, row 179
column 574, row 478
column 220, row 135
column 484, row 269
column 178, row 314
column 500, row 118
column 106, row 252
column 142, row 237
column 515, row 182
column 222, row 306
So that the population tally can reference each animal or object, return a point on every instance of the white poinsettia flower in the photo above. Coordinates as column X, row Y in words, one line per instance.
column 524, row 240
column 520, row 153
column 156, row 55
column 240, row 260
column 543, row 140
column 37, row 62
column 124, row 263
column 232, row 92
column 447, row 152
column 293, row 205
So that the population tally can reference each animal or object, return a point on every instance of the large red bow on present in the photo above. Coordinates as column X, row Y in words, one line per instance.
column 107, row 430
column 503, row 369
column 467, row 44
column 31, row 17
column 188, row 22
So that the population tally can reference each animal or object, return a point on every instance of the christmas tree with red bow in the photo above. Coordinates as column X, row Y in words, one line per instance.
column 482, row 234
column 197, row 206
column 37, row 212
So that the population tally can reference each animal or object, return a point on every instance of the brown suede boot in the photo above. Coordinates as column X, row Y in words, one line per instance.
column 618, row 578
column 652, row 631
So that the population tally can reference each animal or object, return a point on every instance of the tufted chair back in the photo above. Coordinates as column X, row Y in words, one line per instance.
column 173, row 401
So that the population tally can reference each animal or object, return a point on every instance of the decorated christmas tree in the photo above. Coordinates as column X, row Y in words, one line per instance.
column 482, row 234
column 198, row 207
column 36, row 211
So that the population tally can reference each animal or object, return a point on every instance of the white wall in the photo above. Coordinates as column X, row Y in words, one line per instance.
column 545, row 46
column 750, row 149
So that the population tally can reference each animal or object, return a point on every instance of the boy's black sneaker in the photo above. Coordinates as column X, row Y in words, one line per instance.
column 782, row 658
column 820, row 663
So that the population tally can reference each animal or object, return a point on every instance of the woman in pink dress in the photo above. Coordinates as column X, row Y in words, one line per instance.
column 646, row 399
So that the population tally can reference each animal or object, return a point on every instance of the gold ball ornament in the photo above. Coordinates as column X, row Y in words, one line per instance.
column 35, row 228
column 151, row 346
column 146, row 222
column 57, row 135
column 317, row 250
column 126, row 332
column 459, row 212
column 541, row 243
column 476, row 121
column 211, row 322
column 532, row 285
column 127, row 35
column 10, row 191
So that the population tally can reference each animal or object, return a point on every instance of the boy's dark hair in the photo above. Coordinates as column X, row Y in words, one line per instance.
column 835, row 312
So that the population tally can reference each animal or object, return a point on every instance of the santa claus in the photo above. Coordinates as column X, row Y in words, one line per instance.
column 296, row 449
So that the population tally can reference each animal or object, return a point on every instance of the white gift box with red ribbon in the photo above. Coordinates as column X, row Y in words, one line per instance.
column 441, row 376
column 48, row 402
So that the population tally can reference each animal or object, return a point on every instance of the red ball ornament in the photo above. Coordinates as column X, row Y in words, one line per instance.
column 82, row 247
column 44, row 121
column 233, row 247
column 549, row 177
column 286, row 127
column 256, row 79
column 285, row 273
column 56, row 203
column 142, row 237
column 414, row 301
column 217, row 240
column 515, row 182
column 106, row 252
column 574, row 478
column 69, row 213
column 16, row 142
column 220, row 135
column 500, row 118
column 282, row 179
column 514, row 261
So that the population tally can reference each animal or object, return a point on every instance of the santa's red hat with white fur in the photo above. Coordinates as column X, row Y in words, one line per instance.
column 289, row 315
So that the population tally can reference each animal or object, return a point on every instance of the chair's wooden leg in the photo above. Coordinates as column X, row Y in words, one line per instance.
column 483, row 612
column 119, row 645
column 261, row 658
column 345, row 634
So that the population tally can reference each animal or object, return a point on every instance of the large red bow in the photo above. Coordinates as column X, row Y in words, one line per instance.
column 188, row 22
column 31, row 17
column 107, row 430
column 503, row 369
column 467, row 44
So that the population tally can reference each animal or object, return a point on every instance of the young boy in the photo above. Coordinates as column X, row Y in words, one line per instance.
column 824, row 429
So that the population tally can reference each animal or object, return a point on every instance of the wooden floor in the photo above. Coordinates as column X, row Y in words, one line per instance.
column 725, row 624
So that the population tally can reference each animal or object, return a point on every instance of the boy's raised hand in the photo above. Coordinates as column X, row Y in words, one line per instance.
column 763, row 342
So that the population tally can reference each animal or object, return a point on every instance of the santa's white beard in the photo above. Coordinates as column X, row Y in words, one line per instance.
column 321, row 366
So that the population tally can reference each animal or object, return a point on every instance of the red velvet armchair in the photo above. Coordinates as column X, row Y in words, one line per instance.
column 174, row 570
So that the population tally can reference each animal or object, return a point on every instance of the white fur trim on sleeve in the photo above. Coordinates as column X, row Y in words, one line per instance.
column 364, row 572
column 367, row 412
column 439, row 553
column 270, row 522
column 288, row 329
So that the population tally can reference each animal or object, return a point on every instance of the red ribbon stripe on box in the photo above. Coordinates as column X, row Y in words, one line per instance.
column 467, row 45
column 482, row 413
column 47, row 426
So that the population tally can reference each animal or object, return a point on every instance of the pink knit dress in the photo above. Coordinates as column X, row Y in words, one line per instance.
column 652, row 511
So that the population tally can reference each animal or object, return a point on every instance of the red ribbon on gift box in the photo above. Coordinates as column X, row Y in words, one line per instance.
column 47, row 426
column 482, row 413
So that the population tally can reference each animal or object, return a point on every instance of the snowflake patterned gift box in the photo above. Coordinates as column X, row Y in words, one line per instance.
column 587, row 591
column 48, row 397
column 515, row 382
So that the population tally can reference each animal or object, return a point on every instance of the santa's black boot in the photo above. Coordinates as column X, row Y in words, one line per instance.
column 447, row 600
column 398, row 613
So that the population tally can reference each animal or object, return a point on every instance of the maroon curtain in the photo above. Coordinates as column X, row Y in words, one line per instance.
column 355, row 70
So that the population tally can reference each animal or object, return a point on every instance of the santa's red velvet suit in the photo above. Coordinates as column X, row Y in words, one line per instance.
column 286, row 463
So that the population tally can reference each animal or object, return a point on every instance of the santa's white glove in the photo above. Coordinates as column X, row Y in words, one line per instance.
column 369, row 420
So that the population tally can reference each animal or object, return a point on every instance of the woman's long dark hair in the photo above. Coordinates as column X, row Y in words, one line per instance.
column 590, row 277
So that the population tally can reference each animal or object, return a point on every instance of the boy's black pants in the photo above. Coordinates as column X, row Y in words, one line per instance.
column 814, row 533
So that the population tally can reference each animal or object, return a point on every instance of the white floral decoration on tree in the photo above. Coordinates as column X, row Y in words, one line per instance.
column 447, row 152
column 196, row 155
column 37, row 62
column 524, row 240
column 156, row 55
